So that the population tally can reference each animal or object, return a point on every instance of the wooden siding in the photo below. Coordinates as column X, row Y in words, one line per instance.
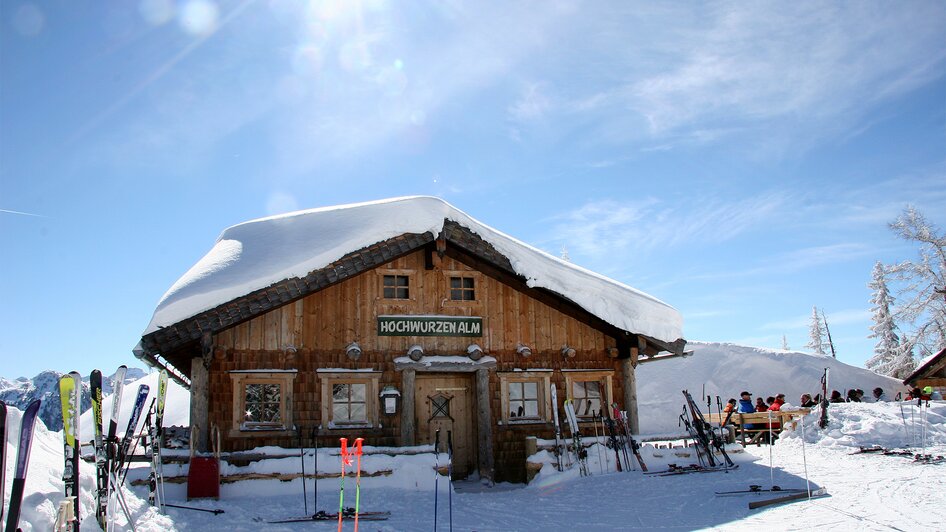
column 331, row 319
column 313, row 332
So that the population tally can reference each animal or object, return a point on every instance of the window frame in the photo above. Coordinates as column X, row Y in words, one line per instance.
column 330, row 377
column 240, row 379
column 543, row 379
column 396, row 287
column 602, row 377
column 478, row 288
column 412, row 287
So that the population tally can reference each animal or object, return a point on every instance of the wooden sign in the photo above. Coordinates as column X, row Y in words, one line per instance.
column 430, row 326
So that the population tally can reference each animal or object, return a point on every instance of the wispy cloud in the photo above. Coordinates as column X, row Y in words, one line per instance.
column 610, row 226
column 841, row 317
column 7, row 211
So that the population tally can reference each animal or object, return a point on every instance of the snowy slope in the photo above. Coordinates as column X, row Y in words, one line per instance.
column 255, row 254
column 728, row 369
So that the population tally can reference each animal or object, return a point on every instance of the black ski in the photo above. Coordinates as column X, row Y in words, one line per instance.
column 823, row 422
column 132, row 429
column 101, row 460
column 3, row 456
column 821, row 492
column 347, row 515
column 22, row 464
column 707, row 441
column 758, row 489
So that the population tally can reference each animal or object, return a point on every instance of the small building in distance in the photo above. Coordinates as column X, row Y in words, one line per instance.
column 393, row 320
column 930, row 372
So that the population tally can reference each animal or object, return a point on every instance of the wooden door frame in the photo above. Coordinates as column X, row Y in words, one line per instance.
column 482, row 423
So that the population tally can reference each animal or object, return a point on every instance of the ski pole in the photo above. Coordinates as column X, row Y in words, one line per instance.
column 803, row 458
column 450, row 477
column 358, row 442
column 594, row 421
column 436, row 473
column 315, row 474
column 305, row 496
column 341, row 492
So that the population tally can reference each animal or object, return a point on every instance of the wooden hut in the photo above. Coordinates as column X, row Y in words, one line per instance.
column 394, row 319
column 930, row 372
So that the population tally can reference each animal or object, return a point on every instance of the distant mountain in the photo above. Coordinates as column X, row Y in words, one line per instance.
column 45, row 387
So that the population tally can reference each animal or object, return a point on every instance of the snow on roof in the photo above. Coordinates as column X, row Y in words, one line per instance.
column 255, row 254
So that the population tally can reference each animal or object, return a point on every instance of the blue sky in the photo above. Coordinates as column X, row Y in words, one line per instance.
column 737, row 160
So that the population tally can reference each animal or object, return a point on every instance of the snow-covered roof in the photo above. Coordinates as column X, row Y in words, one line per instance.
column 255, row 254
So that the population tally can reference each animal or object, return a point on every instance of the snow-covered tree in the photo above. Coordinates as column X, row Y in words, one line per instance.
column 816, row 333
column 921, row 281
column 884, row 329
column 785, row 343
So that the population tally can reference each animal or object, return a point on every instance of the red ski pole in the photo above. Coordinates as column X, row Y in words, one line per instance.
column 341, row 493
column 358, row 442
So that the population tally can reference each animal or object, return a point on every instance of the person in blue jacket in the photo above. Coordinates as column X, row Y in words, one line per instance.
column 746, row 406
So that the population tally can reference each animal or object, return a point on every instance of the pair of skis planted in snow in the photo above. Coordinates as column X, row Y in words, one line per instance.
column 25, row 443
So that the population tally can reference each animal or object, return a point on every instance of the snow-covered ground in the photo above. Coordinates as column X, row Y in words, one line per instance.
column 867, row 491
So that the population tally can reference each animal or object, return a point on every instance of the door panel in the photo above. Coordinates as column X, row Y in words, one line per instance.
column 445, row 402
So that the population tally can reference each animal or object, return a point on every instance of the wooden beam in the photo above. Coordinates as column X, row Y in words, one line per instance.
column 484, row 425
column 629, row 383
column 407, row 407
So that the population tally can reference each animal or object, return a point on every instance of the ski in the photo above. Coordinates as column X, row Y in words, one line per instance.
column 635, row 447
column 687, row 469
column 821, row 492
column 347, row 515
column 559, row 454
column 156, row 475
column 708, row 441
column 758, row 489
column 613, row 440
column 823, row 421
column 132, row 429
column 101, row 462
column 580, row 452
column 22, row 464
column 70, row 393
column 3, row 456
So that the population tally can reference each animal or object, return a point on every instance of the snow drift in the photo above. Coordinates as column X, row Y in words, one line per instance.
column 727, row 369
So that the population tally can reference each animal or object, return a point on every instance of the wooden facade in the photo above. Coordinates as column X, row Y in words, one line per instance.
column 932, row 373
column 325, row 343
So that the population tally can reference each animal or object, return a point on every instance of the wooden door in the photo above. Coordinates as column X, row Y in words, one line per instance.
column 445, row 402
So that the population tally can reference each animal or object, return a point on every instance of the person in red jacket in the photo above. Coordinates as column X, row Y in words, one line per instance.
column 776, row 406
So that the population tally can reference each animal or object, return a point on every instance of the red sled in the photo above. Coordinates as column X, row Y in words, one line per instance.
column 203, row 475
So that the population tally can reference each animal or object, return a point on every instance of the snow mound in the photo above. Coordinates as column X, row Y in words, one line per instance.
column 727, row 369
column 258, row 253
column 891, row 425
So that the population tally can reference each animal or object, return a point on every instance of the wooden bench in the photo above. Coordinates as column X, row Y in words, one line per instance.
column 759, row 421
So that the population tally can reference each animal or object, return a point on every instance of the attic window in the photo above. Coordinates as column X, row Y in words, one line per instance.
column 462, row 289
column 396, row 286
